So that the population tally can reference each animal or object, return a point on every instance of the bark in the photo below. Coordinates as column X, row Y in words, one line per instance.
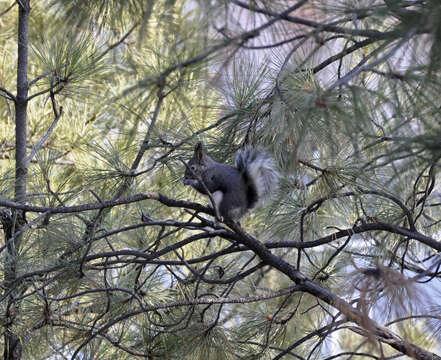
column 13, row 345
column 21, row 102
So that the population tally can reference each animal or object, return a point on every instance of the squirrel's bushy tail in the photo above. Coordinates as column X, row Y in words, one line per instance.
column 260, row 171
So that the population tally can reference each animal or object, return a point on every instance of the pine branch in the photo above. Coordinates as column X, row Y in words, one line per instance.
column 201, row 301
column 377, row 226
column 9, row 8
column 7, row 94
column 121, row 40
column 374, row 34
column 57, row 113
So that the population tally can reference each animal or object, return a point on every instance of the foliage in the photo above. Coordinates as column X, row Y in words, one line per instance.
column 111, row 257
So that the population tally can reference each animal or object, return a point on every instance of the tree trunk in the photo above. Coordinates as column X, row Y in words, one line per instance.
column 13, row 346
column 21, row 102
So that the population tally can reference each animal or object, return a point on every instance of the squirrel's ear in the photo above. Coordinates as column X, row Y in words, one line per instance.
column 199, row 151
column 198, row 146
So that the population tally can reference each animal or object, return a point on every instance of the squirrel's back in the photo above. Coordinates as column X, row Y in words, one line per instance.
column 260, row 173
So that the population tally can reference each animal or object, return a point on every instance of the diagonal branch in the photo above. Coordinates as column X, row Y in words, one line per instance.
column 319, row 26
column 120, row 41
column 8, row 9
column 238, row 40
column 37, row 146
column 352, row 314
column 361, row 67
column 8, row 95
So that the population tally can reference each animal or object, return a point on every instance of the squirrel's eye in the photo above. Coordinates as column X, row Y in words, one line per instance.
column 192, row 167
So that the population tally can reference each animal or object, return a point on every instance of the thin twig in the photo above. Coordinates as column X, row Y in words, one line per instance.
column 37, row 146
column 8, row 9
column 325, row 27
column 8, row 95
column 120, row 41
column 361, row 67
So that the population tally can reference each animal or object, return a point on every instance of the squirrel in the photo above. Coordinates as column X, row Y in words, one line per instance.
column 234, row 190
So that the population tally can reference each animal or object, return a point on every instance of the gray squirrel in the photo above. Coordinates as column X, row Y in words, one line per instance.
column 234, row 190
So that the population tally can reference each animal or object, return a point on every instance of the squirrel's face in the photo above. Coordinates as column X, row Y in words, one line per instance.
column 192, row 172
column 196, row 166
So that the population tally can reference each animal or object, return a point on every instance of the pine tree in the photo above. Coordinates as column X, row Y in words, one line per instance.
column 106, row 255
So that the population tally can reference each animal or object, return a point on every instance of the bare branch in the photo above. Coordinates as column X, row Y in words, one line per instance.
column 37, row 146
column 8, row 9
column 378, row 35
column 8, row 95
column 120, row 41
